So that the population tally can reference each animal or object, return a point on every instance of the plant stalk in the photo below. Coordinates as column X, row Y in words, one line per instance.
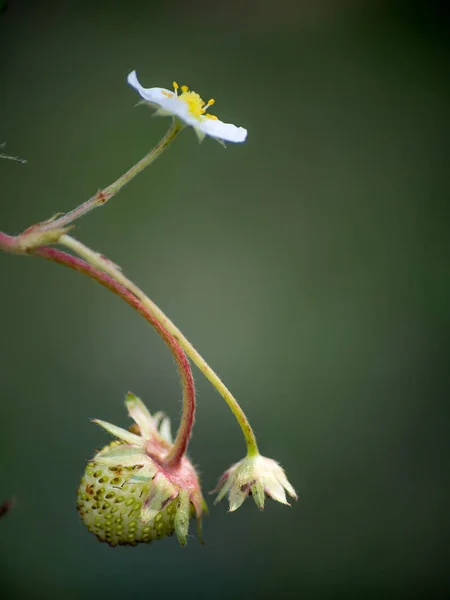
column 189, row 402
column 114, row 188
column 98, row 261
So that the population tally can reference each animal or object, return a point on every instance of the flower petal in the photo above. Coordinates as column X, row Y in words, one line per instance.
column 169, row 103
column 122, row 434
column 152, row 95
column 223, row 131
column 172, row 105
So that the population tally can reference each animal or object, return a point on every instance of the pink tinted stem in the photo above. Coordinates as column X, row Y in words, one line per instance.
column 187, row 422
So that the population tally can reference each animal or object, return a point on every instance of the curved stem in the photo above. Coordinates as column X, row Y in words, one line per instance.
column 185, row 430
column 108, row 267
column 8, row 243
column 107, row 193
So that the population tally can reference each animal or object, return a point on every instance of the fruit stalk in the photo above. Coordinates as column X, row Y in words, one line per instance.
column 187, row 380
column 108, row 267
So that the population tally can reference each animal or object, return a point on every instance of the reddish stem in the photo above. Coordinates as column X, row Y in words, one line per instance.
column 8, row 243
column 185, row 430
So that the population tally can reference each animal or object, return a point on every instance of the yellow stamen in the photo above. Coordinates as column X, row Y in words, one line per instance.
column 196, row 105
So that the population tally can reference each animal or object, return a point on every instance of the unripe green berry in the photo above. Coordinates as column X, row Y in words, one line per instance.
column 110, row 507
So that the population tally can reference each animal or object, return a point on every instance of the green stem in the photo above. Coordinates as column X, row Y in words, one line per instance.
column 108, row 192
column 108, row 267
column 181, row 442
column 12, row 244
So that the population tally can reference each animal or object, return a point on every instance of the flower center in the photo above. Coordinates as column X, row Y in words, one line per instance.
column 196, row 105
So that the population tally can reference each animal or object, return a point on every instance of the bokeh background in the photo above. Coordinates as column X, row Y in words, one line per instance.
column 309, row 266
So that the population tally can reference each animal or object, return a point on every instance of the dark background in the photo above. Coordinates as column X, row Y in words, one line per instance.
column 309, row 266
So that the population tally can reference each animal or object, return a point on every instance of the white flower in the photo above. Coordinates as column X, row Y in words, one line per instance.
column 189, row 108
column 255, row 475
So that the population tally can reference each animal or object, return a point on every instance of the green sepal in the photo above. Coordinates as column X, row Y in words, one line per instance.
column 162, row 492
column 122, row 434
column 123, row 456
column 140, row 414
column 182, row 515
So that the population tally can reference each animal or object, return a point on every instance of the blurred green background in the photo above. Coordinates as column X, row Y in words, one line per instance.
column 309, row 266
